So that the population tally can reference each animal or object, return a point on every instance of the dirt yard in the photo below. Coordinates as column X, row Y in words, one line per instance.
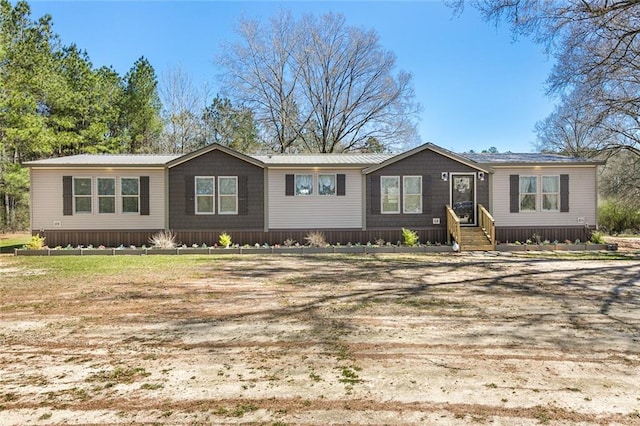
column 317, row 340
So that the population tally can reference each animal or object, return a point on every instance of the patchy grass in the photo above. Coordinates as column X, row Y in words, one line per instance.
column 577, row 255
column 119, row 375
column 9, row 242
column 91, row 268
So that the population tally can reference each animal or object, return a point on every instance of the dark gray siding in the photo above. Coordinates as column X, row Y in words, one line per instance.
column 216, row 163
column 561, row 234
column 430, row 166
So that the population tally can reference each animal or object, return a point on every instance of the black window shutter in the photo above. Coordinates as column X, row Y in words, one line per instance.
column 67, row 195
column 189, row 196
column 426, row 193
column 564, row 193
column 289, row 185
column 374, row 181
column 514, row 193
column 243, row 196
column 341, row 185
column 144, row 195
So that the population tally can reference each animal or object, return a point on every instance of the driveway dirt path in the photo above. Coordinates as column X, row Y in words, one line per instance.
column 316, row 340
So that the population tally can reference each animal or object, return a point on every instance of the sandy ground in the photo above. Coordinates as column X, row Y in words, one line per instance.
column 279, row 340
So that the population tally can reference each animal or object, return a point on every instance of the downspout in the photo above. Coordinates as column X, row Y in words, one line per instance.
column 597, row 200
column 363, row 191
column 166, row 199
column 265, row 186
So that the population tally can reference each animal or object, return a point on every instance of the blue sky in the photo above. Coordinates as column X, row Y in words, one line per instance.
column 477, row 86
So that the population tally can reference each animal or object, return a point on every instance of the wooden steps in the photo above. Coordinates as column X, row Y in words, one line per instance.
column 474, row 239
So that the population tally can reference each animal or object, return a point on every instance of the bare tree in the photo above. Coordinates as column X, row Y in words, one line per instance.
column 620, row 179
column 596, row 45
column 260, row 73
column 319, row 85
column 570, row 128
column 182, row 107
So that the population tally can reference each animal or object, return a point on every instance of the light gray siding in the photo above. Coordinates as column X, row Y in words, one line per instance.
column 47, row 208
column 582, row 197
column 315, row 211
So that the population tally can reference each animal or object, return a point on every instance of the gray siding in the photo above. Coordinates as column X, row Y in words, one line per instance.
column 582, row 198
column 215, row 163
column 47, row 209
column 436, row 193
column 315, row 211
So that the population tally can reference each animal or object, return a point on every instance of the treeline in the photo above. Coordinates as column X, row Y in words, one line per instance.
column 54, row 102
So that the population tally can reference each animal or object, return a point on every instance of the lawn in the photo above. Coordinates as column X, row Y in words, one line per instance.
column 8, row 242
column 329, row 339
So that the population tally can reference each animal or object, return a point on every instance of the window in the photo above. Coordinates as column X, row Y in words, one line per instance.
column 390, row 194
column 304, row 184
column 228, row 195
column 82, row 195
column 106, row 195
column 528, row 193
column 205, row 194
column 551, row 193
column 326, row 184
column 412, row 194
column 129, row 190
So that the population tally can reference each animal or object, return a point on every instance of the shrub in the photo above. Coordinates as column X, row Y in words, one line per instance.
column 289, row 242
column 36, row 243
column 616, row 217
column 597, row 237
column 410, row 238
column 315, row 239
column 225, row 240
column 163, row 240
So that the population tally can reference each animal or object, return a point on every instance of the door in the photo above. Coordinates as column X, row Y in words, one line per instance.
column 463, row 197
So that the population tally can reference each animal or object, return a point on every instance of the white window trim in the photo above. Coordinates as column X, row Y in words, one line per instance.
column 404, row 193
column 122, row 196
column 295, row 184
column 114, row 196
column 542, row 194
column 195, row 193
column 382, row 211
column 220, row 195
column 537, row 194
column 90, row 196
column 335, row 184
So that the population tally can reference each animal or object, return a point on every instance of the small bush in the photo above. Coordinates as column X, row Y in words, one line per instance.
column 410, row 238
column 289, row 242
column 315, row 239
column 163, row 240
column 597, row 237
column 225, row 240
column 36, row 243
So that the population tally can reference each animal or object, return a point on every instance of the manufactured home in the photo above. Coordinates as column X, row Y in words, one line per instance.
column 478, row 200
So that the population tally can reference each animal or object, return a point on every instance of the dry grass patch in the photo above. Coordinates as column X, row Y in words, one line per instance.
column 397, row 339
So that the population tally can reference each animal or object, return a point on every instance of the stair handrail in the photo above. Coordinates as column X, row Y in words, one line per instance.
column 453, row 225
column 487, row 224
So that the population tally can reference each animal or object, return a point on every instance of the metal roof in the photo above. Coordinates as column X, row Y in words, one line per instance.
column 509, row 158
column 108, row 160
column 322, row 159
column 370, row 160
